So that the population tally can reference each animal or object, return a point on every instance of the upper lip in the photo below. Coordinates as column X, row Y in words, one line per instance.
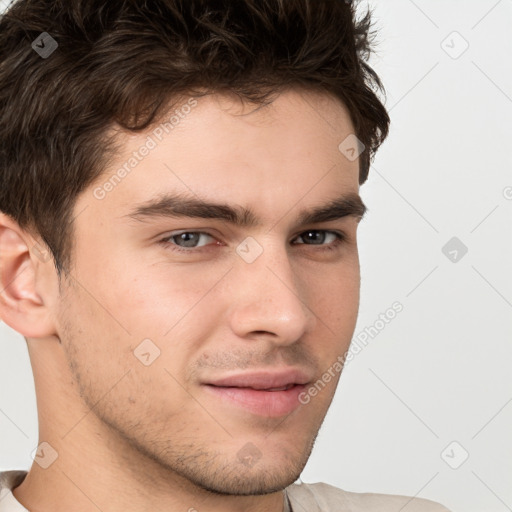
column 263, row 379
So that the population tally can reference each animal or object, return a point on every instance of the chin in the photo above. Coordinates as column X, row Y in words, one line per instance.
column 251, row 482
column 249, row 472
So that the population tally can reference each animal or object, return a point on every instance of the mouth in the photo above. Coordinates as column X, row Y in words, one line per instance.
column 268, row 394
column 282, row 388
column 272, row 402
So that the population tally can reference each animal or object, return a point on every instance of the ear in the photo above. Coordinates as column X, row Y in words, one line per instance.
column 25, row 270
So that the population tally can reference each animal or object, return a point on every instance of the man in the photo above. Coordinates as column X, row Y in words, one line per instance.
column 178, row 246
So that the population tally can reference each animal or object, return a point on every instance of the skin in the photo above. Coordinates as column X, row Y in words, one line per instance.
column 133, row 437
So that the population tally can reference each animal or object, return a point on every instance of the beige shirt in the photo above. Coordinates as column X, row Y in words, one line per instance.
column 317, row 497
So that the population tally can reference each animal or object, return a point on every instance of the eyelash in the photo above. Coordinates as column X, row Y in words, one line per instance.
column 340, row 238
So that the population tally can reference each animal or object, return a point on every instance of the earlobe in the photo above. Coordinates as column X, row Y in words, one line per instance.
column 21, row 306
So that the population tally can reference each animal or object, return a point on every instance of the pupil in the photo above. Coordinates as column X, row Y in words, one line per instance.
column 190, row 239
column 317, row 237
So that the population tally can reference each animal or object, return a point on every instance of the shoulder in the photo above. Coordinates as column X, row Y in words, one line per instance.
column 11, row 479
column 8, row 481
column 328, row 498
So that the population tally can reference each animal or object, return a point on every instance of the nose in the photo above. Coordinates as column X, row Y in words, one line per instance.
column 268, row 300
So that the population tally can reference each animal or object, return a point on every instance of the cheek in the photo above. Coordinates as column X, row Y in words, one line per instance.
column 141, row 377
column 335, row 291
column 99, row 333
column 163, row 298
column 335, row 302
column 132, row 311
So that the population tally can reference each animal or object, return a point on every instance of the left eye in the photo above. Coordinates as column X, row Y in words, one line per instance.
column 318, row 237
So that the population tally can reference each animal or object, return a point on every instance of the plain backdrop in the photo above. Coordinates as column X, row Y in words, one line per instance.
column 425, row 406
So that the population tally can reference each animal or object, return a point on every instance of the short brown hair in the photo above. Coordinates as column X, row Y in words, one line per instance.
column 121, row 63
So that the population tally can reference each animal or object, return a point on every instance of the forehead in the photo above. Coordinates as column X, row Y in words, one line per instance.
column 219, row 147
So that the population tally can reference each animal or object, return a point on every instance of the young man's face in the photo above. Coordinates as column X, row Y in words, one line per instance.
column 148, row 326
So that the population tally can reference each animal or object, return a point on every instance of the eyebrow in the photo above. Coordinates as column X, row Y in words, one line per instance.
column 169, row 205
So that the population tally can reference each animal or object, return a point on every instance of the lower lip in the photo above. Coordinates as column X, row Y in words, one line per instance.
column 271, row 404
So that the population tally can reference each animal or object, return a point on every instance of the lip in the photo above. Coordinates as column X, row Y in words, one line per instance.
column 251, row 391
column 271, row 404
column 263, row 379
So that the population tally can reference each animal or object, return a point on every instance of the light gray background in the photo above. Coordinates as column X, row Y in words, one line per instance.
column 439, row 372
